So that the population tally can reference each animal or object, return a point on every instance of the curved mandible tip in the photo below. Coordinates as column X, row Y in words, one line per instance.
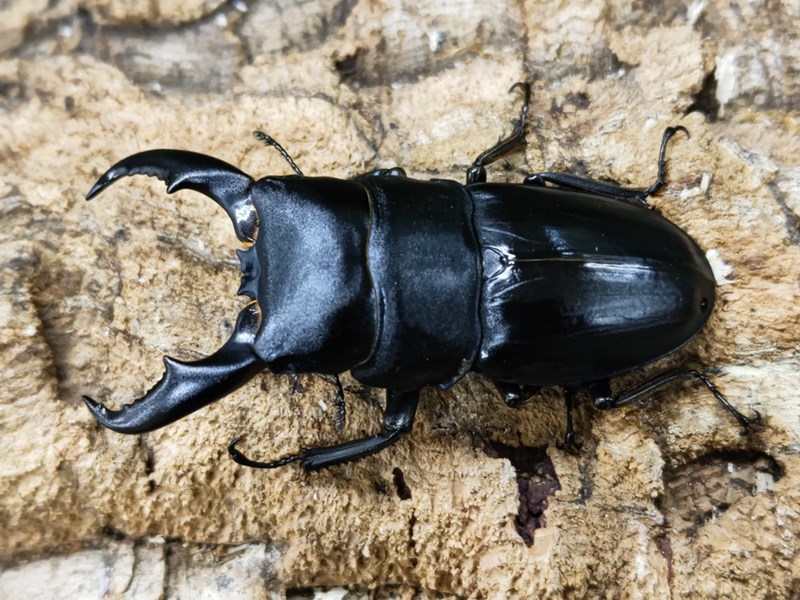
column 180, row 169
column 189, row 386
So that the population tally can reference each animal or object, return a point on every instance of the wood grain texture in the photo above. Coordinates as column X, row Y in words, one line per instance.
column 665, row 500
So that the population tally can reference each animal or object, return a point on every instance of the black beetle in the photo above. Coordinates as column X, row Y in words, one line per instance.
column 556, row 281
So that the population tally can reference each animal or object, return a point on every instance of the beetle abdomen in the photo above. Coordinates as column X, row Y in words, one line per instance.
column 578, row 288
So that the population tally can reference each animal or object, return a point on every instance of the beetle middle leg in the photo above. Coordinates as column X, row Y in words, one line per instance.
column 398, row 418
column 640, row 195
column 600, row 391
column 477, row 171
column 570, row 443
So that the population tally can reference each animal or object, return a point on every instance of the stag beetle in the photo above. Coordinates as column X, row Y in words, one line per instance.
column 558, row 281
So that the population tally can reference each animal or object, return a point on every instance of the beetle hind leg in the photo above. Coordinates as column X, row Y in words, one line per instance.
column 639, row 195
column 600, row 391
column 398, row 419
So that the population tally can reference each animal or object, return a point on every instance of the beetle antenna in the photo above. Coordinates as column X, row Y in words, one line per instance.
column 270, row 141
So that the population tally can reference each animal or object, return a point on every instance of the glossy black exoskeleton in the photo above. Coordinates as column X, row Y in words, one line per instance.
column 555, row 281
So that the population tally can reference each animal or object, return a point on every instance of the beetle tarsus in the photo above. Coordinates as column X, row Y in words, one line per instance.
column 745, row 421
column 662, row 162
column 477, row 171
column 341, row 407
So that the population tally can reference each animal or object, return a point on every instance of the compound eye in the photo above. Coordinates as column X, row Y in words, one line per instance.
column 704, row 304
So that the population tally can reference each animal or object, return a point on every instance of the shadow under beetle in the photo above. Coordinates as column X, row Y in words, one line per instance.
column 558, row 281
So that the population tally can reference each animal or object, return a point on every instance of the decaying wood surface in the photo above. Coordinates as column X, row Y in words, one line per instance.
column 665, row 500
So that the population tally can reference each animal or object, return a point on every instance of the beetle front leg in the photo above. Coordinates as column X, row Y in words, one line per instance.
column 476, row 173
column 640, row 195
column 398, row 419
column 600, row 391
